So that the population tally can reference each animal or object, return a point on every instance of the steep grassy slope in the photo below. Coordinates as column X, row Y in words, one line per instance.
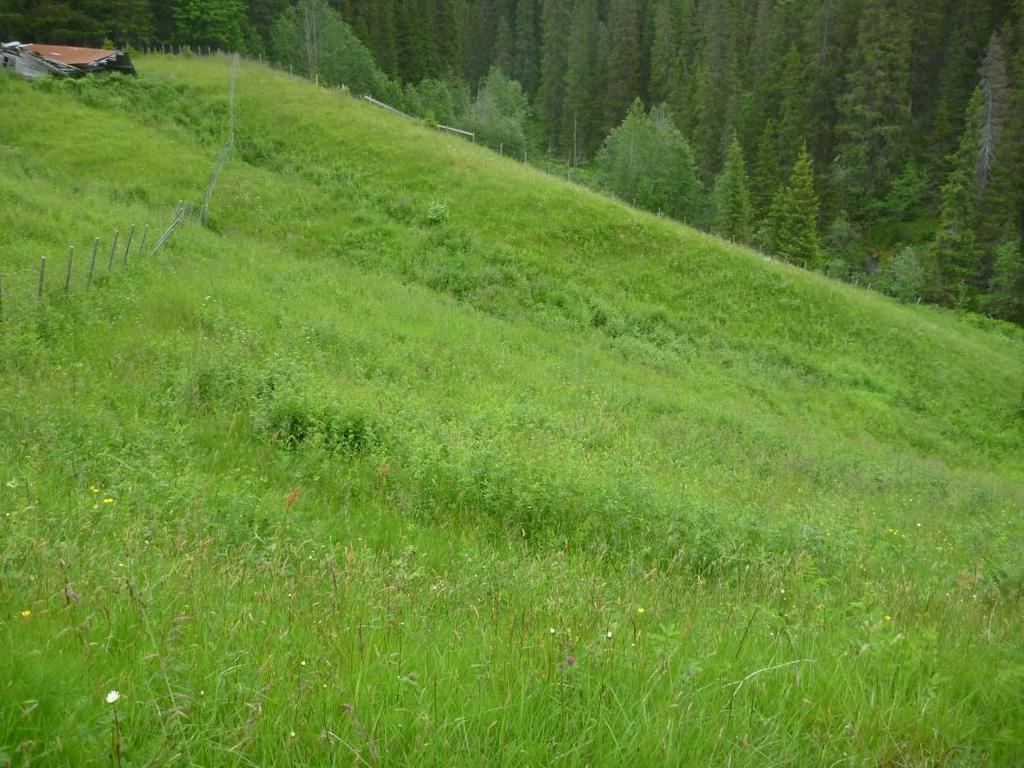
column 578, row 485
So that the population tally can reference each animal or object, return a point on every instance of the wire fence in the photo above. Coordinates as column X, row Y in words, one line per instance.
column 207, row 51
column 229, row 147
column 80, row 273
column 30, row 289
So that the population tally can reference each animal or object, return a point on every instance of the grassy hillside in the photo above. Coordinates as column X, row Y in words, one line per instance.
column 414, row 455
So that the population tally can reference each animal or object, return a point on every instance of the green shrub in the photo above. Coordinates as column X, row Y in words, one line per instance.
column 437, row 212
column 292, row 420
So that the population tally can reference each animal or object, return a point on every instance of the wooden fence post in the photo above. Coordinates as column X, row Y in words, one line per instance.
column 113, row 249
column 42, row 278
column 128, row 246
column 92, row 262
column 71, row 264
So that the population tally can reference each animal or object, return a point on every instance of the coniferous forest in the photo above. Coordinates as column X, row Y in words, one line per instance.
column 878, row 141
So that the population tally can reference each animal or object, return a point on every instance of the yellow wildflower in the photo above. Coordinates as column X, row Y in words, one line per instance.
column 108, row 500
column 640, row 610
column 26, row 613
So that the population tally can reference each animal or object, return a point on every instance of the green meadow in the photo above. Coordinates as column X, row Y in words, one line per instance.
column 414, row 455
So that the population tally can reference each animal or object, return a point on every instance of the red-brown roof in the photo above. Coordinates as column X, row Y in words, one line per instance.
column 75, row 57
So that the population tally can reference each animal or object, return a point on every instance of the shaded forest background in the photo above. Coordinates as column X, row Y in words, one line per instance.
column 880, row 141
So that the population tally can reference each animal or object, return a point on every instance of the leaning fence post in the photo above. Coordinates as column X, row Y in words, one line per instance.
column 113, row 248
column 142, row 245
column 42, row 278
column 71, row 264
column 92, row 262
column 128, row 246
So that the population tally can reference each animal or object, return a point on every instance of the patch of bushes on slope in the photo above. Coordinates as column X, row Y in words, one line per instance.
column 570, row 508
column 301, row 419
column 284, row 405
column 481, row 481
column 157, row 101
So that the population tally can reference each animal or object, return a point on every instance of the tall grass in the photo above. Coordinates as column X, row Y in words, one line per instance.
column 546, row 481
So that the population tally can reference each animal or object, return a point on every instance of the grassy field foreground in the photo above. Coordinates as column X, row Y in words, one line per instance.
column 416, row 456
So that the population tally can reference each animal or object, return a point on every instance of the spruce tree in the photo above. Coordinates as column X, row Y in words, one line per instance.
column 503, row 54
column 998, row 151
column 717, row 90
column 875, row 125
column 955, row 248
column 767, row 175
column 830, row 34
column 553, row 62
column 732, row 197
column 664, row 53
column 1005, row 297
column 447, row 59
column 625, row 81
column 414, row 41
column 526, row 54
column 794, row 217
column 582, row 113
column 995, row 89
column 967, row 31
column 792, row 105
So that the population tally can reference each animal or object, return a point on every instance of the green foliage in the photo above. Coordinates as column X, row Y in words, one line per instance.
column 955, row 248
column 731, row 197
column 907, row 196
column 843, row 243
column 526, row 52
column 877, row 105
column 500, row 114
column 586, row 76
column 908, row 276
column 625, row 59
column 295, row 420
column 437, row 212
column 312, row 38
column 647, row 162
column 794, row 217
column 442, row 101
column 214, row 23
column 1006, row 292
column 766, row 177
column 556, row 18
